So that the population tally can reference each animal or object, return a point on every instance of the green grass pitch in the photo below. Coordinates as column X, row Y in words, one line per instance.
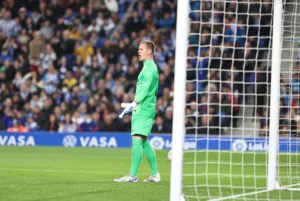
column 86, row 174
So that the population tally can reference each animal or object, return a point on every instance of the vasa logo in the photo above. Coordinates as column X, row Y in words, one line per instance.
column 98, row 141
column 69, row 141
column 11, row 140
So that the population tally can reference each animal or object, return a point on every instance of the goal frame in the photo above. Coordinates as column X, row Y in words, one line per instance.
column 178, row 134
column 275, row 96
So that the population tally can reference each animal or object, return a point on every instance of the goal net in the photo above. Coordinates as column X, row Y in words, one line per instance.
column 234, row 111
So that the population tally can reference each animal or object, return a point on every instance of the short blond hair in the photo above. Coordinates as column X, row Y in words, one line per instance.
column 149, row 44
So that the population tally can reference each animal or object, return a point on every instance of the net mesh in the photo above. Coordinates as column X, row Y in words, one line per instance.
column 228, row 101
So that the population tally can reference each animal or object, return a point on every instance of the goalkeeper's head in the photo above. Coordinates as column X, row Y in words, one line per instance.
column 146, row 50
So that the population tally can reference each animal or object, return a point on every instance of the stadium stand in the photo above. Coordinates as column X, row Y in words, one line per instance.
column 231, row 58
column 67, row 65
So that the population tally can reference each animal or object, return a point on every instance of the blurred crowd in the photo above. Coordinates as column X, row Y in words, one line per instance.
column 67, row 65
column 289, row 123
column 230, row 51
column 228, row 44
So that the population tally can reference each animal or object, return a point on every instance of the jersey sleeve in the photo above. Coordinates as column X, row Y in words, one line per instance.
column 143, row 88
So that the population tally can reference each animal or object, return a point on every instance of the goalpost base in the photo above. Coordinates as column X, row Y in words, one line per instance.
column 289, row 187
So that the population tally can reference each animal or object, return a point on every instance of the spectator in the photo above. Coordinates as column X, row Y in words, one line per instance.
column 47, row 57
column 8, row 117
column 167, row 22
column 31, row 124
column 35, row 49
column 190, row 128
column 23, row 37
column 10, row 47
column 68, row 17
column 84, row 51
column 70, row 81
column 67, row 126
column 108, row 124
column 207, row 126
column 50, row 80
column 46, row 30
column 52, row 125
column 94, row 27
column 8, row 25
column 10, row 71
column 88, row 125
column 75, row 32
column 77, row 119
column 125, row 126
column 36, row 101
column 169, row 117
column 160, row 126
column 17, row 127
column 108, row 26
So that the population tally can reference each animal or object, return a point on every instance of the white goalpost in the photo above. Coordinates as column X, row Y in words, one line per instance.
column 275, row 96
column 236, row 119
column 178, row 135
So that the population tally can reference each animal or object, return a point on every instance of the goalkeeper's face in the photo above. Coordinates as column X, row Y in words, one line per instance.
column 144, row 53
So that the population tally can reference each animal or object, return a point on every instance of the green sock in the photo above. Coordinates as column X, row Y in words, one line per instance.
column 151, row 156
column 136, row 156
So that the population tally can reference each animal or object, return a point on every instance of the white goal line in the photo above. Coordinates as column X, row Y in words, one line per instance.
column 240, row 152
column 259, row 192
column 292, row 140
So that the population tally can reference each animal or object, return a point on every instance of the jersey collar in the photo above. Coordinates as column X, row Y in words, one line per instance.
column 148, row 62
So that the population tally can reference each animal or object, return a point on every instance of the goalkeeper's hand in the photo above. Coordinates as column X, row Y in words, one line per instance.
column 129, row 107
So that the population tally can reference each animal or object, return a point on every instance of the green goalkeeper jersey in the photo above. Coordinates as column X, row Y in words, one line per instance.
column 146, row 90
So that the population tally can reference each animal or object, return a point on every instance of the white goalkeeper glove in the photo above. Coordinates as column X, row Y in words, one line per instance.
column 128, row 108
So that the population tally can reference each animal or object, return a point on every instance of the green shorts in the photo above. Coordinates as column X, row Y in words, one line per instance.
column 141, row 125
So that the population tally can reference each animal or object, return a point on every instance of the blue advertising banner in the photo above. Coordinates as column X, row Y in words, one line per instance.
column 163, row 141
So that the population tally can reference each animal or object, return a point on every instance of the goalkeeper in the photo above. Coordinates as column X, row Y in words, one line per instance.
column 143, row 113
